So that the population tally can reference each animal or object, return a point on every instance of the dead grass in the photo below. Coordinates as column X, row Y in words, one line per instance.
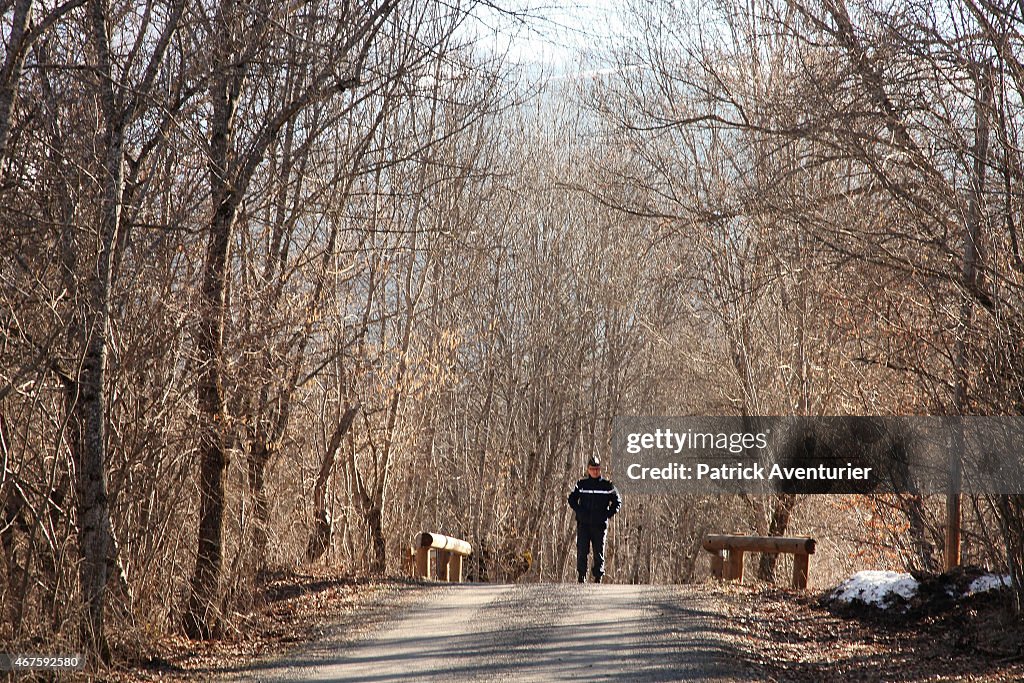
column 293, row 608
column 796, row 636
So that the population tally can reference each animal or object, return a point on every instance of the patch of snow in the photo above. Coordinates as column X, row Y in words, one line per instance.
column 987, row 582
column 877, row 588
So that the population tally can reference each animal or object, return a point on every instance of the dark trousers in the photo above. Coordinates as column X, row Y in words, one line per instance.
column 587, row 536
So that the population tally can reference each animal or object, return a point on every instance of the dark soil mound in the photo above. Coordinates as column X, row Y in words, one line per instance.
column 937, row 594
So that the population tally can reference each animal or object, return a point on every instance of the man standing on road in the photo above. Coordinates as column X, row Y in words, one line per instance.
column 594, row 500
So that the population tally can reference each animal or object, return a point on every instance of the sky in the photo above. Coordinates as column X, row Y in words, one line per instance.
column 548, row 33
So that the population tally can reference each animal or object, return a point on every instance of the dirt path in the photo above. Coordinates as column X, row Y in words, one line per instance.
column 530, row 632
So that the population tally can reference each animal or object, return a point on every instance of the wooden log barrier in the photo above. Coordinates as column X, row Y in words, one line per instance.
column 447, row 554
column 730, row 567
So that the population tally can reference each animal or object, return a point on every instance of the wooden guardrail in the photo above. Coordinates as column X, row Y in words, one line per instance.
column 730, row 566
column 446, row 553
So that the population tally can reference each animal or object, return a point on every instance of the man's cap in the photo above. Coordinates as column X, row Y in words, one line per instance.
column 594, row 461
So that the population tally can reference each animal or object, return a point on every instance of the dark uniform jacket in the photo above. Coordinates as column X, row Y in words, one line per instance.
column 595, row 500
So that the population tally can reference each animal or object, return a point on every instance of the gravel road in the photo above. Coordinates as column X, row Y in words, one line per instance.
column 528, row 632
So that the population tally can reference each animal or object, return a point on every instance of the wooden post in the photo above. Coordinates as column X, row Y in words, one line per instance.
column 951, row 547
column 717, row 564
column 442, row 565
column 455, row 568
column 801, row 567
column 734, row 566
column 423, row 563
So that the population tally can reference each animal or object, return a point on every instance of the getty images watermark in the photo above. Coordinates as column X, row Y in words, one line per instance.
column 921, row 455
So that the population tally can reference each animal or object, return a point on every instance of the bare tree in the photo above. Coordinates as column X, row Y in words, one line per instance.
column 242, row 37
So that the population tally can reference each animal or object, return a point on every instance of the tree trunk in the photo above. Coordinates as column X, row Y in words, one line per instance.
column 375, row 521
column 12, row 518
column 924, row 549
column 88, row 404
column 10, row 73
column 258, row 458
column 1011, row 518
column 972, row 289
column 370, row 509
column 89, row 416
column 201, row 618
column 777, row 526
column 320, row 535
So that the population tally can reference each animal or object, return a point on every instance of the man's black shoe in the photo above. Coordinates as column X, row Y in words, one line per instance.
column 597, row 579
column 580, row 578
